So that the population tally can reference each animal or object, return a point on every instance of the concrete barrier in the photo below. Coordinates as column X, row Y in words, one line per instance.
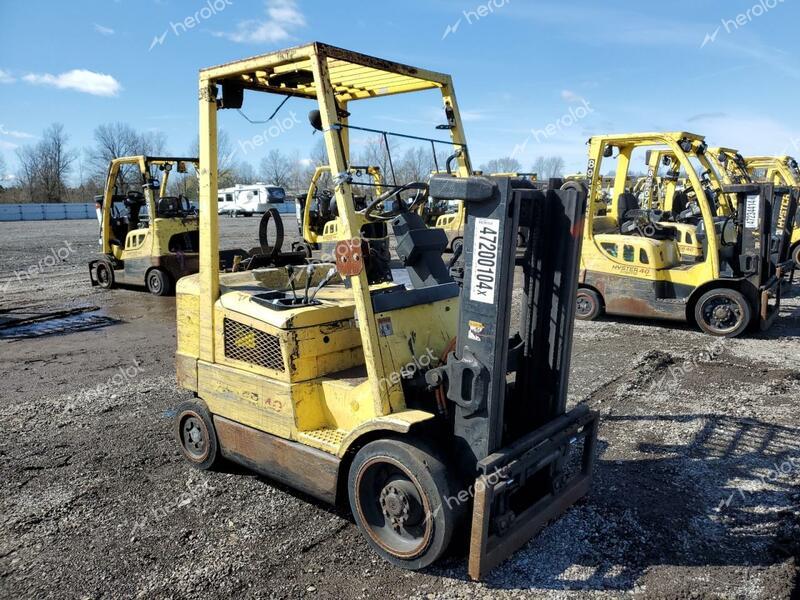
column 64, row 212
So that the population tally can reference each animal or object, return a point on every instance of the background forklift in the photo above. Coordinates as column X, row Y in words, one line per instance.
column 631, row 265
column 148, row 237
column 414, row 404
column 781, row 171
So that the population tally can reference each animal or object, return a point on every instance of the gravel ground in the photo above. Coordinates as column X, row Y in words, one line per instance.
column 696, row 490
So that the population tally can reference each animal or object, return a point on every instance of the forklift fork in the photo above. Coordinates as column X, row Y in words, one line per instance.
column 517, row 438
column 497, row 529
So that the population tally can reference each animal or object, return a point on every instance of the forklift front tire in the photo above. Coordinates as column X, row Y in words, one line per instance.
column 796, row 257
column 104, row 275
column 403, row 502
column 723, row 313
column 196, row 435
column 159, row 283
column 588, row 305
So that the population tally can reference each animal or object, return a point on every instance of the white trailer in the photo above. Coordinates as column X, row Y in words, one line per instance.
column 248, row 200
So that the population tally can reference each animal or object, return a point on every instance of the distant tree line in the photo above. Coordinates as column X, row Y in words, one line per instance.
column 51, row 171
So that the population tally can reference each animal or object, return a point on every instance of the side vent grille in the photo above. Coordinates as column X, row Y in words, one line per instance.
column 253, row 346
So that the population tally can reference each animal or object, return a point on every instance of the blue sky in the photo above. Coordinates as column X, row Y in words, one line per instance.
column 519, row 68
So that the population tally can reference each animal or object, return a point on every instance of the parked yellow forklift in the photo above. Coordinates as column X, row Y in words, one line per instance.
column 393, row 399
column 148, row 237
column 781, row 171
column 631, row 263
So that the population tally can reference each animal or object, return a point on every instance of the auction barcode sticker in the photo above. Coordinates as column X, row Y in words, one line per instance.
column 484, row 260
column 751, row 216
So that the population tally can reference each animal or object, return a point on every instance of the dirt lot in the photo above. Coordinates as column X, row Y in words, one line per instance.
column 696, row 492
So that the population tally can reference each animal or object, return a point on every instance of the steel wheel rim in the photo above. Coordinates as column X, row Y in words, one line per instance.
column 722, row 314
column 194, row 437
column 584, row 305
column 394, row 510
column 155, row 283
column 103, row 276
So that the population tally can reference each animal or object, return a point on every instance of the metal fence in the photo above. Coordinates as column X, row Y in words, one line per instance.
column 46, row 212
column 63, row 212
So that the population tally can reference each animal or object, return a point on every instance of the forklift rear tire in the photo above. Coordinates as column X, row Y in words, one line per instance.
column 723, row 313
column 398, row 493
column 196, row 435
column 796, row 257
column 104, row 274
column 588, row 305
column 457, row 246
column 159, row 283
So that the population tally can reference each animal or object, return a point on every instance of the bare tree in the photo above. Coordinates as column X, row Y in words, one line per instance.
column 277, row 169
column 416, row 165
column 377, row 154
column 506, row 164
column 549, row 167
column 245, row 173
column 26, row 172
column 45, row 167
column 226, row 165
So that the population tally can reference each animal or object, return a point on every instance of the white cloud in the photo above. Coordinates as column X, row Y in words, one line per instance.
column 4, row 145
column 570, row 96
column 21, row 135
column 103, row 30
column 82, row 80
column 283, row 17
column 5, row 77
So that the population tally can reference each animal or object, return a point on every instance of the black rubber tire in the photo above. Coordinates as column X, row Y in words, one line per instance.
column 194, row 430
column 303, row 247
column 459, row 241
column 274, row 249
column 432, row 502
column 104, row 275
column 796, row 257
column 734, row 318
column 158, row 282
column 577, row 186
column 588, row 305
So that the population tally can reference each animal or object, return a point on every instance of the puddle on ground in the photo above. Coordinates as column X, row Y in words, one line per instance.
column 36, row 325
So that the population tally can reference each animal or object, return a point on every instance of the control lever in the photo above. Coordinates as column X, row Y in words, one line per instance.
column 322, row 284
column 290, row 273
column 309, row 275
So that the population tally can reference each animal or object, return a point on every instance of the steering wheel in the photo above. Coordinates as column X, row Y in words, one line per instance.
column 372, row 214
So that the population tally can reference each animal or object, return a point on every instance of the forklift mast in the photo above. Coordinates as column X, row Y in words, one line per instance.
column 510, row 391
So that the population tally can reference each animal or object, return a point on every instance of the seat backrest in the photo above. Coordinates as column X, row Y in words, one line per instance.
column 679, row 203
column 627, row 202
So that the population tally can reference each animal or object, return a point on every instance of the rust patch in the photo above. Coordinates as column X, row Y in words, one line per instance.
column 350, row 257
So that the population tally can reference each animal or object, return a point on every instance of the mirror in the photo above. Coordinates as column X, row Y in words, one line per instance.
column 181, row 167
column 315, row 118
column 608, row 152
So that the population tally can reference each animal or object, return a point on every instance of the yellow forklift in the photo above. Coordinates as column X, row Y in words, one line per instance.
column 148, row 237
column 782, row 171
column 413, row 404
column 318, row 219
column 631, row 263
